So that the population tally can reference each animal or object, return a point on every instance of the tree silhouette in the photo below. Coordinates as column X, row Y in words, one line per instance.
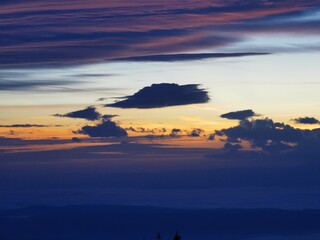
column 177, row 236
column 158, row 237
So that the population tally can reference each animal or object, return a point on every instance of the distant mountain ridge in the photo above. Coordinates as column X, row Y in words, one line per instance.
column 82, row 222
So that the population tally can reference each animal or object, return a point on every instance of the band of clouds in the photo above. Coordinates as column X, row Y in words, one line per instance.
column 22, row 85
column 27, row 126
column 95, row 31
column 266, row 137
column 106, row 127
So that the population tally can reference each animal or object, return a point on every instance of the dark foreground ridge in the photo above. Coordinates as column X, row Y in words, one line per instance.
column 121, row 222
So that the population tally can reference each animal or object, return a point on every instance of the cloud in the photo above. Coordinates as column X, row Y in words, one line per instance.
column 164, row 95
column 25, row 126
column 239, row 115
column 260, row 131
column 232, row 147
column 196, row 132
column 147, row 130
column 105, row 129
column 275, row 138
column 13, row 85
column 306, row 120
column 175, row 132
column 186, row 57
column 76, row 140
column 89, row 113
column 97, row 31
column 91, row 75
column 211, row 137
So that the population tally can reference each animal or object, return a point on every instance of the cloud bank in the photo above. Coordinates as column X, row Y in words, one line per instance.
column 306, row 120
column 25, row 126
column 274, row 138
column 37, row 33
column 186, row 57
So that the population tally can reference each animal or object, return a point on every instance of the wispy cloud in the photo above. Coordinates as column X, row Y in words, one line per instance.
column 90, row 113
column 38, row 33
column 25, row 126
column 13, row 85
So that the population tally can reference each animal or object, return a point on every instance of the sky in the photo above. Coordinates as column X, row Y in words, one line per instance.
column 193, row 104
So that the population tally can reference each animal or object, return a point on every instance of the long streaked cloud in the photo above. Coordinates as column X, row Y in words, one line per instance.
column 186, row 57
column 25, row 126
column 40, row 33
column 19, row 85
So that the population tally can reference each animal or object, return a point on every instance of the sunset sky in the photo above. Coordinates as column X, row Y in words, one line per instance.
column 150, row 102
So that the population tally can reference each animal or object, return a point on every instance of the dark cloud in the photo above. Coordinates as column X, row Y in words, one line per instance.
column 239, row 115
column 175, row 131
column 307, row 120
column 105, row 129
column 5, row 141
column 164, row 95
column 218, row 133
column 233, row 140
column 147, row 130
column 186, row 57
column 33, row 33
column 141, row 130
column 25, row 126
column 131, row 129
column 196, row 132
column 211, row 137
column 76, row 140
column 13, row 85
column 101, row 99
column 260, row 131
column 90, row 113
